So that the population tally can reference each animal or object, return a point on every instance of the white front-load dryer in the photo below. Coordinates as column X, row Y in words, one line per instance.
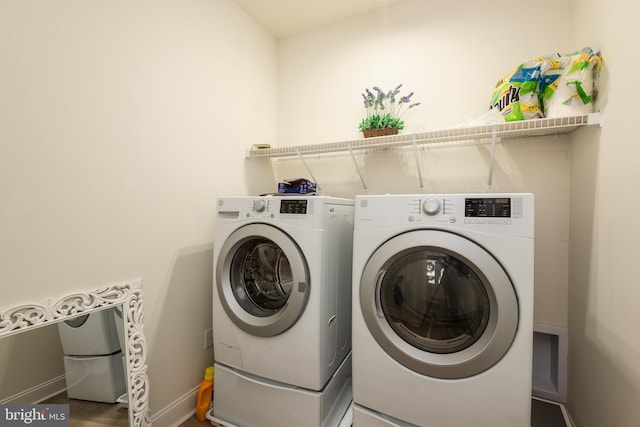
column 443, row 310
column 282, row 308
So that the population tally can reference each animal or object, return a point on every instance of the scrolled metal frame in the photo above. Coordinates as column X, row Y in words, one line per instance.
column 128, row 294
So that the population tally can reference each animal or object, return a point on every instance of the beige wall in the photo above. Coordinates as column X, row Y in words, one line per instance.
column 29, row 360
column 120, row 124
column 586, row 233
column 451, row 56
column 122, row 121
column 604, row 345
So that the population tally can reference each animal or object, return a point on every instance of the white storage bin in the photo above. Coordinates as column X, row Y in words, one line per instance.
column 97, row 378
column 89, row 335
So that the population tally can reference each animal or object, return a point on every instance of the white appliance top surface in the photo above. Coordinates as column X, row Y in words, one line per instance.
column 509, row 214
column 306, row 211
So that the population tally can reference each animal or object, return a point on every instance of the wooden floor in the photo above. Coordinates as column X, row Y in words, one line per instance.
column 92, row 414
column 193, row 422
column 95, row 414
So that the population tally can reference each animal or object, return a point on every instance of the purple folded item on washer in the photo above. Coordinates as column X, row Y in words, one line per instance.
column 296, row 186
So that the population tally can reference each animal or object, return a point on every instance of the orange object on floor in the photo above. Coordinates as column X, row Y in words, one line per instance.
column 205, row 395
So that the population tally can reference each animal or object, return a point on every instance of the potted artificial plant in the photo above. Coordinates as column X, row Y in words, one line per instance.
column 384, row 110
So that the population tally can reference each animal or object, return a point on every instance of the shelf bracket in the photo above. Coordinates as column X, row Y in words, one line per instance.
column 313, row 178
column 355, row 163
column 596, row 118
column 417, row 158
column 494, row 139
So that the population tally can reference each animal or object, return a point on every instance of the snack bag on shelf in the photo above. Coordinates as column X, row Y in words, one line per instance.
column 570, row 88
column 556, row 64
column 516, row 93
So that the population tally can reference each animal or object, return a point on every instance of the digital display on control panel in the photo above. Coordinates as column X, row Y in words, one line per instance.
column 293, row 207
column 487, row 208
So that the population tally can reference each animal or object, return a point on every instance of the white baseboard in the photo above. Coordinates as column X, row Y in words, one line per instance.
column 39, row 392
column 178, row 411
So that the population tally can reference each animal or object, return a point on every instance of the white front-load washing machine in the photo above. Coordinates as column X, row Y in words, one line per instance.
column 443, row 310
column 282, row 309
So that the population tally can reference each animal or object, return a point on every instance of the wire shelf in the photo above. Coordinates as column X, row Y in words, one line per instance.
column 509, row 130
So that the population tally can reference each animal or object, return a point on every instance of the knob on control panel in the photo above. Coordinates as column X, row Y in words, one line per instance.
column 431, row 206
column 259, row 205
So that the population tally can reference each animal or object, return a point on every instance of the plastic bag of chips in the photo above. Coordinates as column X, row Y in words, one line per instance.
column 516, row 93
column 568, row 88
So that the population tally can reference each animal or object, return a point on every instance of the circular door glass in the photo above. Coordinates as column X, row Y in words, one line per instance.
column 261, row 277
column 262, row 280
column 438, row 303
column 434, row 301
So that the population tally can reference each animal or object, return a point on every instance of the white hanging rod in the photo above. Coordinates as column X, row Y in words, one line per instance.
column 519, row 129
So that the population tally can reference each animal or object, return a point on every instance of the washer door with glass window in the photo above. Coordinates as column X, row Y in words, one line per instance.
column 439, row 304
column 262, row 280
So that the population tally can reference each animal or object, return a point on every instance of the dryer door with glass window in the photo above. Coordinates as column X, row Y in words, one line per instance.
column 262, row 280
column 439, row 304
